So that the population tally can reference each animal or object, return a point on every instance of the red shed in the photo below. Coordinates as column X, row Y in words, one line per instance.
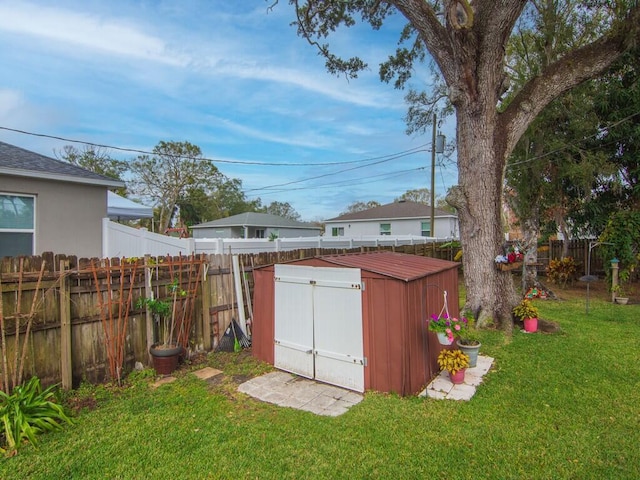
column 357, row 320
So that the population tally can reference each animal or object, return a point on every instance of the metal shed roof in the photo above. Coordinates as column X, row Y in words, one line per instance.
column 396, row 265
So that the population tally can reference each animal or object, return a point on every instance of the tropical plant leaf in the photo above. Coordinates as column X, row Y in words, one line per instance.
column 28, row 412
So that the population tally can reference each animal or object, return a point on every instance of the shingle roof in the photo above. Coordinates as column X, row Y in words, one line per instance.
column 395, row 210
column 24, row 163
column 253, row 219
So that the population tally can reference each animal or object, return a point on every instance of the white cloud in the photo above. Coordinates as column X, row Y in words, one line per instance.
column 10, row 103
column 322, row 84
column 77, row 32
column 310, row 140
column 85, row 31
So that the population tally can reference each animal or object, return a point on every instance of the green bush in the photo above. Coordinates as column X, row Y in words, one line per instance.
column 27, row 412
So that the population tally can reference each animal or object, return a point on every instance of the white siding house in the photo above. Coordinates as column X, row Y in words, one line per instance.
column 397, row 218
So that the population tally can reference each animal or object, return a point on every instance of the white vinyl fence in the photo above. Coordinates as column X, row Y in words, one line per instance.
column 122, row 241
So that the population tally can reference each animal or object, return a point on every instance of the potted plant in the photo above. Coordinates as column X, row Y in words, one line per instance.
column 528, row 313
column 619, row 295
column 455, row 362
column 447, row 328
column 470, row 344
column 165, row 350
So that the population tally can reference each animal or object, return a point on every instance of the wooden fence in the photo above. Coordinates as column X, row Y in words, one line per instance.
column 62, row 318
column 577, row 249
column 52, row 308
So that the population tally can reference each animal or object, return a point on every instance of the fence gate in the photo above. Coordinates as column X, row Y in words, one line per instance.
column 318, row 324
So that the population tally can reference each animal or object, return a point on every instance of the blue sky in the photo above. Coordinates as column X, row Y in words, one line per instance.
column 228, row 76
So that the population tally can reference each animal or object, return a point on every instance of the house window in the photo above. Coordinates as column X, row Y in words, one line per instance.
column 17, row 225
column 426, row 228
column 260, row 232
column 385, row 229
column 337, row 231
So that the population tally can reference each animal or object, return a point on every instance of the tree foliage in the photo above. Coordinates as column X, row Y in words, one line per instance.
column 199, row 206
column 423, row 195
column 360, row 206
column 170, row 173
column 616, row 103
column 282, row 209
column 552, row 169
column 95, row 159
column 621, row 240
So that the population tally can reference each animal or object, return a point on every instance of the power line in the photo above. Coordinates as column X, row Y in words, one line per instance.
column 348, row 183
column 573, row 144
column 215, row 160
column 268, row 187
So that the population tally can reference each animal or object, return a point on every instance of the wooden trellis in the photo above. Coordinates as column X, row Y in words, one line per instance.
column 188, row 272
column 12, row 372
column 176, row 279
column 114, row 303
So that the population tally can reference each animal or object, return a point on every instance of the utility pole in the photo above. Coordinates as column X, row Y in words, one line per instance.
column 433, row 179
column 437, row 146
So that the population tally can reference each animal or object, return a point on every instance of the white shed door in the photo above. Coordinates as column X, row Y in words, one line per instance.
column 294, row 320
column 318, row 324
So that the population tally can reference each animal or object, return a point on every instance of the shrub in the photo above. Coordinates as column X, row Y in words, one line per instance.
column 562, row 271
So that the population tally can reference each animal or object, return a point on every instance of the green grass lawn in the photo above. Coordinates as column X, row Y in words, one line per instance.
column 562, row 405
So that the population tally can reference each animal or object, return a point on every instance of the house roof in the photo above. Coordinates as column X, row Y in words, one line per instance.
column 19, row 162
column 396, row 210
column 253, row 219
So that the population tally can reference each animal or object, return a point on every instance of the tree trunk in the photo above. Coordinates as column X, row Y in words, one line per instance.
column 564, row 230
column 531, row 231
column 481, row 159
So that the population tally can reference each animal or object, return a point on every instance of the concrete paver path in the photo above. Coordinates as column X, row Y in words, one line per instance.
column 287, row 390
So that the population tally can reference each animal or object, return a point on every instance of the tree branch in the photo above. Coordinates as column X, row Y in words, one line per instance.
column 560, row 76
column 422, row 16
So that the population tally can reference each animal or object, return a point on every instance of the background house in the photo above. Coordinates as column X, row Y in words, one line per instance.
column 47, row 205
column 254, row 225
column 397, row 218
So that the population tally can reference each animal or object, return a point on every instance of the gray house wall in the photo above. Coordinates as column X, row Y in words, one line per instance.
column 216, row 232
column 68, row 215
column 238, row 232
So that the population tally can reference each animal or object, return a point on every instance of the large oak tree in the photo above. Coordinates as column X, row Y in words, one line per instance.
column 467, row 41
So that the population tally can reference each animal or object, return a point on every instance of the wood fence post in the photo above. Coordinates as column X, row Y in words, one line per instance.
column 205, row 287
column 66, row 361
column 148, row 292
